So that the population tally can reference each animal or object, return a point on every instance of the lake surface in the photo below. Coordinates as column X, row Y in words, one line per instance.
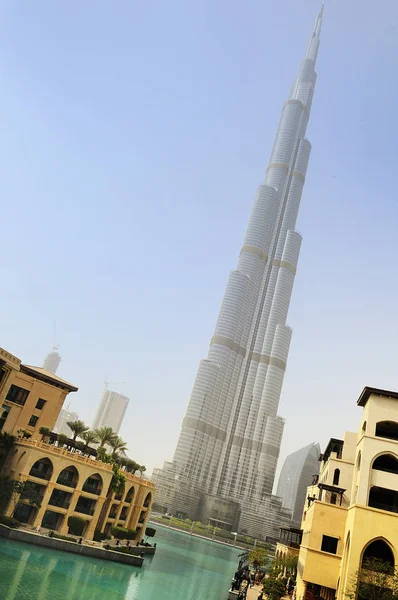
column 184, row 568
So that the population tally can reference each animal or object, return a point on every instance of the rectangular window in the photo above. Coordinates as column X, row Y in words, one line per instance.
column 329, row 544
column 40, row 403
column 17, row 394
column 33, row 420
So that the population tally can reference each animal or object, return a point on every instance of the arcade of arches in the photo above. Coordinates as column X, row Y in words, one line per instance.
column 74, row 485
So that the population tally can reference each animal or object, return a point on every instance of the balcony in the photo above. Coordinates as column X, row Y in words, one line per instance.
column 66, row 481
column 40, row 474
column 91, row 489
column 60, row 502
column 85, row 510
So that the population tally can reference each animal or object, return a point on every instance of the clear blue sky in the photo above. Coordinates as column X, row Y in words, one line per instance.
column 134, row 135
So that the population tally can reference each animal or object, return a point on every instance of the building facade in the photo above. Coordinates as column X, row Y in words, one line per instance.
column 351, row 513
column 297, row 473
column 111, row 410
column 231, row 434
column 68, row 482
column 30, row 397
column 73, row 485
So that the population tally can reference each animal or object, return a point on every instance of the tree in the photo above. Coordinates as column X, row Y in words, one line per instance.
column 6, row 491
column 274, row 588
column 45, row 431
column 25, row 491
column 142, row 469
column 131, row 466
column 377, row 580
column 118, row 445
column 62, row 439
column 259, row 557
column 90, row 437
column 105, row 435
column 77, row 427
column 6, row 443
column 118, row 481
column 76, row 525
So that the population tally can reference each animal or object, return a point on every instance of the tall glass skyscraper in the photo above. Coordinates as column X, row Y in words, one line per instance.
column 231, row 434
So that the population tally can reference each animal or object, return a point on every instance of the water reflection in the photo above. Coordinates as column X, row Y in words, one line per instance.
column 183, row 568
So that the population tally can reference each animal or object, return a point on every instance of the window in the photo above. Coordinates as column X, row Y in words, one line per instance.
column 17, row 394
column 329, row 544
column 40, row 403
column 33, row 420
column 336, row 477
column 333, row 499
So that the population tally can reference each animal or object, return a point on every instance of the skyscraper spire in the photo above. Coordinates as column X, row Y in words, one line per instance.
column 231, row 434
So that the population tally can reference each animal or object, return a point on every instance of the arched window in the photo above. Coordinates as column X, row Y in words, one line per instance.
column 43, row 469
column 387, row 429
column 93, row 484
column 148, row 500
column 68, row 476
column 336, row 477
column 130, row 494
column 364, row 427
column 378, row 550
column 387, row 463
column 359, row 460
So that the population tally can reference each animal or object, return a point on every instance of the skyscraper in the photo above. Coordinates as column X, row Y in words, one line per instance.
column 52, row 360
column 111, row 410
column 231, row 434
column 297, row 474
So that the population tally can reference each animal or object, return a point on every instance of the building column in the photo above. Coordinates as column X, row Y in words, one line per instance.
column 44, row 505
column 69, row 513
column 94, row 521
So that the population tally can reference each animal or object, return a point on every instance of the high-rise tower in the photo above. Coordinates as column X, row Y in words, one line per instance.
column 231, row 434
column 111, row 411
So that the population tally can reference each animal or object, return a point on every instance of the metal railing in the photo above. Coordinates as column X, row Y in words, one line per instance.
column 40, row 474
column 67, row 482
column 91, row 489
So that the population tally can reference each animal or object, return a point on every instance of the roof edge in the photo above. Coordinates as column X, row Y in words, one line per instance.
column 369, row 391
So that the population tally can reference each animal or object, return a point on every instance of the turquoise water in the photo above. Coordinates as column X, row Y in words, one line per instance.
column 184, row 568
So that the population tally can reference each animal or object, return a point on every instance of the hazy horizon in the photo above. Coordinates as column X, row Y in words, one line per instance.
column 134, row 140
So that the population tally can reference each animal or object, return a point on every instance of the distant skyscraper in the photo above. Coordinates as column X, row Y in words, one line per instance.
column 231, row 434
column 52, row 360
column 65, row 416
column 111, row 410
column 297, row 473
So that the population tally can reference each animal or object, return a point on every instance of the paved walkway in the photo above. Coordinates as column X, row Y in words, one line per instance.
column 254, row 592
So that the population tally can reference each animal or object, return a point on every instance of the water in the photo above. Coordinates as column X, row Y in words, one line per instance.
column 184, row 568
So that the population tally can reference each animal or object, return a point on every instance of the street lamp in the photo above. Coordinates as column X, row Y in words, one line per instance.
column 235, row 533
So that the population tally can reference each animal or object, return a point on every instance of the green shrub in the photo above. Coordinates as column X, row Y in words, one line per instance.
column 76, row 525
column 99, row 536
column 150, row 531
column 58, row 536
column 13, row 523
column 44, row 431
column 62, row 439
column 121, row 533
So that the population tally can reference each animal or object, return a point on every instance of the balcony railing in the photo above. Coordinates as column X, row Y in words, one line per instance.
column 67, row 482
column 85, row 510
column 91, row 489
column 61, row 503
column 40, row 474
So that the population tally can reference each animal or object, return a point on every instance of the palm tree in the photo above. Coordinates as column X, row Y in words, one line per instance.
column 90, row 437
column 118, row 445
column 105, row 435
column 77, row 428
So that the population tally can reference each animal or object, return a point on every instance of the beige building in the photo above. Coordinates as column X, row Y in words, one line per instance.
column 30, row 397
column 68, row 483
column 351, row 512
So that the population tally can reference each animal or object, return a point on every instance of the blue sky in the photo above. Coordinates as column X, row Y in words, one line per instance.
column 134, row 135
